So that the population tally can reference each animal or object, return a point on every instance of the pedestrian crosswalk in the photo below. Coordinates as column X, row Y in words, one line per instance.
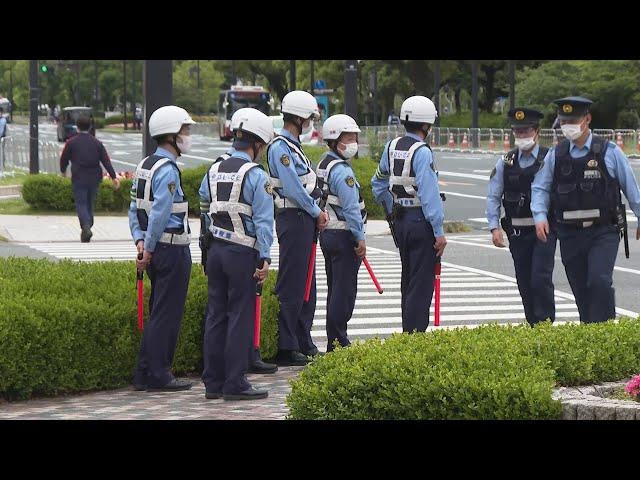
column 469, row 297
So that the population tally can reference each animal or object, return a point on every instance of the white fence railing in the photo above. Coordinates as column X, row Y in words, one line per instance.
column 14, row 154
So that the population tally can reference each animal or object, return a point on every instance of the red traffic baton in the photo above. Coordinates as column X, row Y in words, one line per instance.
column 436, row 284
column 140, row 276
column 312, row 264
column 256, row 324
column 371, row 274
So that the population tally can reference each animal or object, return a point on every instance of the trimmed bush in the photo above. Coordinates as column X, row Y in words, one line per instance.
column 70, row 326
column 191, row 180
column 491, row 372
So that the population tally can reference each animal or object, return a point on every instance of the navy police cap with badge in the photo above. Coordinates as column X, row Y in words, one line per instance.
column 524, row 117
column 572, row 107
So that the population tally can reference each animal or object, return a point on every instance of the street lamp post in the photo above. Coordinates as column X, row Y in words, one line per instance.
column 292, row 74
column 34, row 165
column 124, row 96
column 11, row 92
column 350, row 88
column 474, row 99
column 157, row 85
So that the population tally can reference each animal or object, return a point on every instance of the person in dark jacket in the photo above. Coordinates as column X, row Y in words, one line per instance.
column 86, row 153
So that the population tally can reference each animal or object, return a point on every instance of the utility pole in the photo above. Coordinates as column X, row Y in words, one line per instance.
column 313, row 80
column 474, row 99
column 124, row 95
column 133, row 89
column 350, row 88
column 34, row 101
column 292, row 75
column 95, row 77
column 157, row 85
column 11, row 92
column 199, row 90
column 436, row 91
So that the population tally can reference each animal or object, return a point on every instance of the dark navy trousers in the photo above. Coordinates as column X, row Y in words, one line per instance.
column 169, row 272
column 589, row 255
column 416, row 240
column 84, row 196
column 295, row 229
column 341, row 265
column 228, row 334
column 533, row 261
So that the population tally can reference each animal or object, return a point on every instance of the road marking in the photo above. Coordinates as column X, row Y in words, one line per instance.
column 465, row 195
column 463, row 175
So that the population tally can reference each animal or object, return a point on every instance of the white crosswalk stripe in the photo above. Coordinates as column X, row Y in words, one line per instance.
column 469, row 297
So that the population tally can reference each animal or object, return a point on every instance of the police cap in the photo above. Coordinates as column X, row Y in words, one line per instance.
column 524, row 117
column 572, row 107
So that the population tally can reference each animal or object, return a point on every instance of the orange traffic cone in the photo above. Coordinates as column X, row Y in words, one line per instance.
column 619, row 141
column 452, row 142
column 506, row 145
column 492, row 142
column 465, row 141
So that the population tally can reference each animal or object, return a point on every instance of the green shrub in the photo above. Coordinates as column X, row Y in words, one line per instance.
column 191, row 180
column 490, row 372
column 53, row 192
column 99, row 122
column 485, row 120
column 115, row 119
column 71, row 326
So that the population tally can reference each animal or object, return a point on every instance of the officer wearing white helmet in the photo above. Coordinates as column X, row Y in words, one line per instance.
column 159, row 223
column 237, row 196
column 406, row 183
column 297, row 217
column 346, row 227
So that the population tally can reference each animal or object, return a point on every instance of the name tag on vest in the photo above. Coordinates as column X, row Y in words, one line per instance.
column 590, row 174
column 226, row 177
column 221, row 233
column 400, row 154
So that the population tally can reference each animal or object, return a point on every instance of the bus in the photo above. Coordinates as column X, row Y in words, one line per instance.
column 238, row 97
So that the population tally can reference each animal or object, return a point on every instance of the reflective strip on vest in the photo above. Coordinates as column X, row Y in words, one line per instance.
column 308, row 179
column 581, row 214
column 146, row 203
column 233, row 207
column 405, row 180
column 333, row 200
column 522, row 222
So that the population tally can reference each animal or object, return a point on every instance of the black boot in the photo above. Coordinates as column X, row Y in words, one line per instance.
column 288, row 358
column 86, row 234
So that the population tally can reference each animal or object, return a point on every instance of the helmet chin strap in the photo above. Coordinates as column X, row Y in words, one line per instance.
column 174, row 144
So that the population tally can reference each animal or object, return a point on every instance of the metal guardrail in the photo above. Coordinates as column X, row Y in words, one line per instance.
column 487, row 140
column 14, row 154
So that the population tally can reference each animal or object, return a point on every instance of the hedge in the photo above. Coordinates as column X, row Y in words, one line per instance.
column 490, row 372
column 70, row 326
column 53, row 192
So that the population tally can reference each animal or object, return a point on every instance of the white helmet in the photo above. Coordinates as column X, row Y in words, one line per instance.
column 253, row 121
column 301, row 104
column 418, row 109
column 337, row 124
column 168, row 119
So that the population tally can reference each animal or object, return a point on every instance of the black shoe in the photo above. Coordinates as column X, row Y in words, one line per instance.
column 86, row 234
column 212, row 395
column 288, row 358
column 139, row 387
column 250, row 393
column 313, row 353
column 173, row 386
column 262, row 367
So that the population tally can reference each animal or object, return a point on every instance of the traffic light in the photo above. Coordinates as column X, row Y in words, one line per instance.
column 44, row 68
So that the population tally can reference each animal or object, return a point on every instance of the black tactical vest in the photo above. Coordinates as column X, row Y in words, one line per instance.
column 583, row 190
column 396, row 166
column 516, row 198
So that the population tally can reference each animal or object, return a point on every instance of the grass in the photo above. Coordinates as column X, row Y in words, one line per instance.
column 18, row 206
column 13, row 178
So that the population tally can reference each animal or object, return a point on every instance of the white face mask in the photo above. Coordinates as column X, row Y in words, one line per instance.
column 350, row 150
column 525, row 143
column 306, row 130
column 571, row 130
column 184, row 143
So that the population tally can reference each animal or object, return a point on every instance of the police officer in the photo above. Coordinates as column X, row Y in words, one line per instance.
column 582, row 177
column 346, row 227
column 510, row 183
column 158, row 219
column 256, row 364
column 406, row 183
column 241, row 224
column 86, row 153
column 297, row 217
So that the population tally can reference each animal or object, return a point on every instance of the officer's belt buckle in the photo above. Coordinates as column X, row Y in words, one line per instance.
column 516, row 232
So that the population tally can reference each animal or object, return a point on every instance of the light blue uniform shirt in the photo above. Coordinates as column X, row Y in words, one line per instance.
column 160, row 217
column 288, row 175
column 348, row 196
column 3, row 125
column 617, row 165
column 496, row 185
column 255, row 192
column 426, row 186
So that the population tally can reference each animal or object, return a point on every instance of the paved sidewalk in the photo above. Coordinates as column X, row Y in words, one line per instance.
column 65, row 228
column 127, row 404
